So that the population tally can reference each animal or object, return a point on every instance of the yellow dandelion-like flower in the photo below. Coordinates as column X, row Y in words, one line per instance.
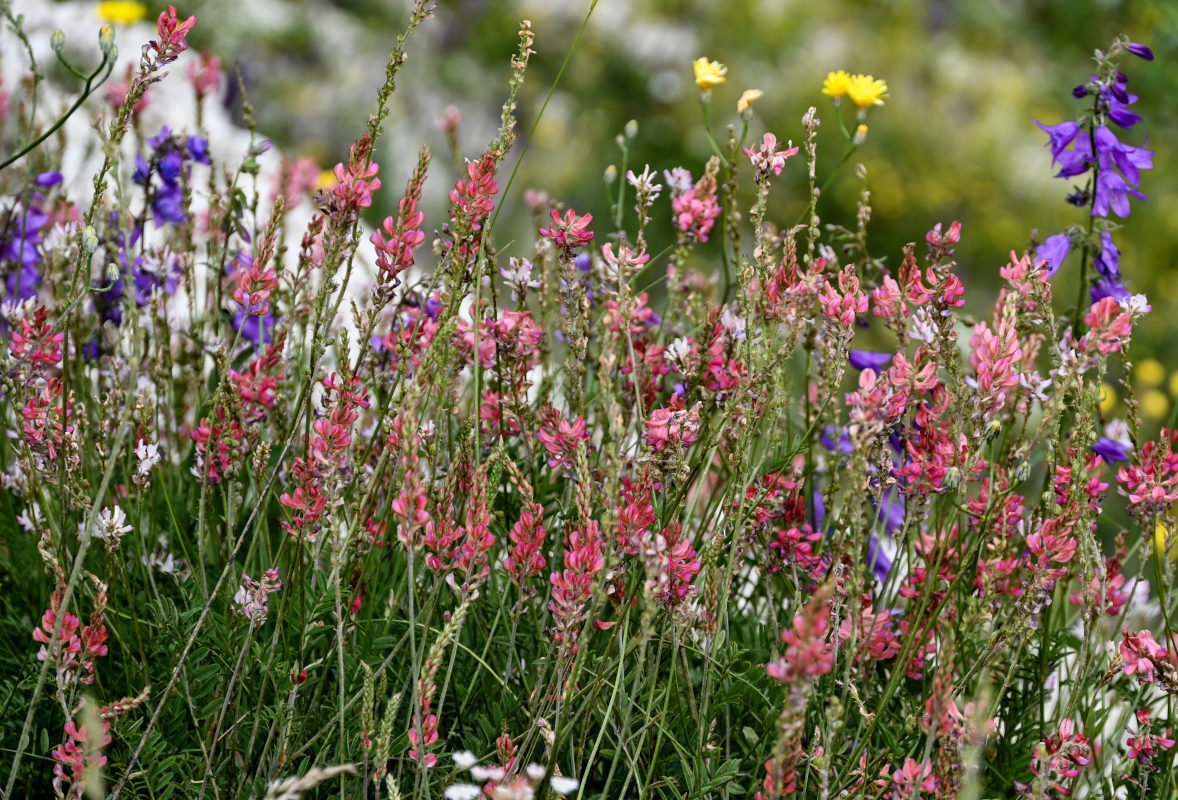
column 836, row 85
column 1107, row 398
column 709, row 73
column 866, row 91
column 1150, row 372
column 121, row 12
column 745, row 103
column 1174, row 384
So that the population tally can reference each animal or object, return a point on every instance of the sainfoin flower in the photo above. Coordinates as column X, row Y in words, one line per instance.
column 570, row 231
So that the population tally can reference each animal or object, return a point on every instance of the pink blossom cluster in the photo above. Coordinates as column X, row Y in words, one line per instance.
column 326, row 459
column 572, row 587
column 561, row 438
column 250, row 598
column 695, row 210
column 77, row 646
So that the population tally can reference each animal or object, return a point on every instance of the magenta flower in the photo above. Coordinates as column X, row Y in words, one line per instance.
column 571, row 231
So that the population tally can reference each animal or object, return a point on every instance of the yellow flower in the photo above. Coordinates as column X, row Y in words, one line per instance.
column 1155, row 404
column 865, row 91
column 326, row 180
column 1107, row 398
column 121, row 12
column 1174, row 384
column 709, row 73
column 750, row 96
column 860, row 134
column 1162, row 542
column 1150, row 372
column 837, row 84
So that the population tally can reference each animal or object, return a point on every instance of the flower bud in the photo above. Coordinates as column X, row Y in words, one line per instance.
column 860, row 134
column 89, row 240
column 112, row 272
column 611, row 174
column 106, row 42
column 57, row 42
column 631, row 129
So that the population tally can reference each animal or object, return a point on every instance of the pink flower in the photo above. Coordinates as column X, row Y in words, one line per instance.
column 473, row 200
column 561, row 438
column 672, row 428
column 571, row 231
column 205, row 73
column 768, row 158
column 808, row 652
column 695, row 212
column 1141, row 654
column 912, row 776
column 356, row 183
column 1109, row 327
column 844, row 304
column 173, row 36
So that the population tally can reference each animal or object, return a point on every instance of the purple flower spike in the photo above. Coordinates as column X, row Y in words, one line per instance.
column 869, row 359
column 1054, row 251
column 1140, row 50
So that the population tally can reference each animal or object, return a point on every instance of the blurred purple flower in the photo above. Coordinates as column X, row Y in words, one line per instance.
column 869, row 359
column 1054, row 251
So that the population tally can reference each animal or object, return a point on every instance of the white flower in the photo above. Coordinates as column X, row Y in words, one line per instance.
column 110, row 527
column 734, row 326
column 535, row 771
column 30, row 518
column 562, row 785
column 462, row 791
column 480, row 773
column 1137, row 305
column 464, row 759
column 679, row 179
column 644, row 183
column 148, row 455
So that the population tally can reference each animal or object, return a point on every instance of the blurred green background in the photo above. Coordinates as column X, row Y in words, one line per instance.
column 955, row 139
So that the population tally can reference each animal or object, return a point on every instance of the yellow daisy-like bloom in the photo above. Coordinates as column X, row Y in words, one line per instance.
column 121, row 12
column 865, row 91
column 745, row 103
column 1150, row 372
column 709, row 73
column 837, row 84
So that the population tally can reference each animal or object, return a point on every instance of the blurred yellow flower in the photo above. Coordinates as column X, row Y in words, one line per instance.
column 1150, row 372
column 745, row 103
column 1155, row 404
column 837, row 84
column 865, row 91
column 1174, row 384
column 1162, row 542
column 121, row 12
column 709, row 73
column 1107, row 398
column 326, row 180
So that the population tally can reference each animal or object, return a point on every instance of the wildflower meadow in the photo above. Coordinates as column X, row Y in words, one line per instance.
column 298, row 501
